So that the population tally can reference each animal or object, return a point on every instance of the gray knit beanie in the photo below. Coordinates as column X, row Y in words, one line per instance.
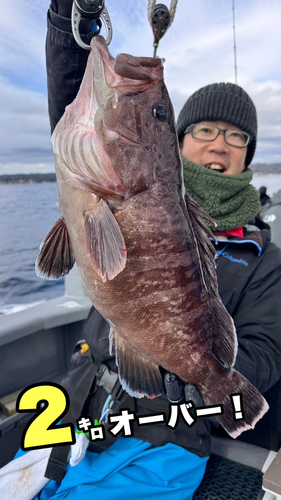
column 224, row 102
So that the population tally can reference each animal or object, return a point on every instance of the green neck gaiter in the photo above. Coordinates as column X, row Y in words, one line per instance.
column 229, row 199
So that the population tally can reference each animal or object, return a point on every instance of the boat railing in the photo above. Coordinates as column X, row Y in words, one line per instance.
column 36, row 346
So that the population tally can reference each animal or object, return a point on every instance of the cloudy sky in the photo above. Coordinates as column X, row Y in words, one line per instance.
column 198, row 49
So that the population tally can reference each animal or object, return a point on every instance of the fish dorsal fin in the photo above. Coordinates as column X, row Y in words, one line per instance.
column 138, row 375
column 205, row 250
column 224, row 339
column 56, row 258
column 225, row 345
column 105, row 243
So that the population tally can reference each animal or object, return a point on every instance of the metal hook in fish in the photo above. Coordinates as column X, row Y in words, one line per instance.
column 89, row 9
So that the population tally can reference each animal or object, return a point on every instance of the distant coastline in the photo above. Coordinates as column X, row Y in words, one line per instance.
column 266, row 168
column 257, row 168
column 27, row 178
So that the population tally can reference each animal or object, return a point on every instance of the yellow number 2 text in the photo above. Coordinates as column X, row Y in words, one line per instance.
column 51, row 403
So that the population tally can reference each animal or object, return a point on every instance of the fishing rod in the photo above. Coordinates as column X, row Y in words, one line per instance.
column 94, row 10
column 160, row 19
column 234, row 44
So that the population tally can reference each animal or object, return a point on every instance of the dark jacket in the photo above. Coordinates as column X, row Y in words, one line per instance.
column 249, row 278
column 249, row 273
column 271, row 214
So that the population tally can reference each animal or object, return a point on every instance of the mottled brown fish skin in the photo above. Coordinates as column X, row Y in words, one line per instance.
column 163, row 307
column 163, row 313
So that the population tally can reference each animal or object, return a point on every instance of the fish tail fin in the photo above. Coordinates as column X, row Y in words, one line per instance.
column 242, row 404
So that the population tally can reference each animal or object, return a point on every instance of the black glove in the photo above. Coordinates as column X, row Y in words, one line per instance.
column 192, row 394
column 174, row 388
column 178, row 392
column 62, row 7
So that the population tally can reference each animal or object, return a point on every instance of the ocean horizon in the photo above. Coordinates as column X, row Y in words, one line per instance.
column 28, row 212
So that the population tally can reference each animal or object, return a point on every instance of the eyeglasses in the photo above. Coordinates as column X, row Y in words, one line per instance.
column 204, row 132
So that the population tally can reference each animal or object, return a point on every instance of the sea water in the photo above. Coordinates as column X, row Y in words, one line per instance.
column 27, row 213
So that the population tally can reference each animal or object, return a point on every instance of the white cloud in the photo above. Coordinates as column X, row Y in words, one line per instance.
column 198, row 49
column 23, row 29
column 24, row 125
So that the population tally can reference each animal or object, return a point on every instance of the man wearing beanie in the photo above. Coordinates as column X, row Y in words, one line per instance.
column 161, row 462
column 232, row 201
column 217, row 131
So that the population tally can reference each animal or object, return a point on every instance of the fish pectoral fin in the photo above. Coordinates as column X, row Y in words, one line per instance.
column 105, row 243
column 56, row 257
column 138, row 375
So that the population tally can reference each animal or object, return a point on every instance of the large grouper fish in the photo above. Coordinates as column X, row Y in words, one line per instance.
column 139, row 240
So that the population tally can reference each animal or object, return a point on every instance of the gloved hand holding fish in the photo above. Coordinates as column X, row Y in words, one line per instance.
column 139, row 240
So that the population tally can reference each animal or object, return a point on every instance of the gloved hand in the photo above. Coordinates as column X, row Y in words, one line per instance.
column 191, row 393
column 174, row 388
column 178, row 392
column 62, row 7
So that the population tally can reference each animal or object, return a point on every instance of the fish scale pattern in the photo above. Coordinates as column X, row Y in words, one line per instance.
column 228, row 480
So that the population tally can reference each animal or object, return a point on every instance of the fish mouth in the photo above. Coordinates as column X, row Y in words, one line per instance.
column 126, row 73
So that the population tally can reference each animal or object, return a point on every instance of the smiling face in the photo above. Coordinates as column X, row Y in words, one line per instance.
column 217, row 155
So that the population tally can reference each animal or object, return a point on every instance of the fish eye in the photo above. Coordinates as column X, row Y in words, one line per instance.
column 160, row 113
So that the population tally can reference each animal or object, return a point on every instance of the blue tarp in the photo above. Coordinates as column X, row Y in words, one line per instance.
column 130, row 468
